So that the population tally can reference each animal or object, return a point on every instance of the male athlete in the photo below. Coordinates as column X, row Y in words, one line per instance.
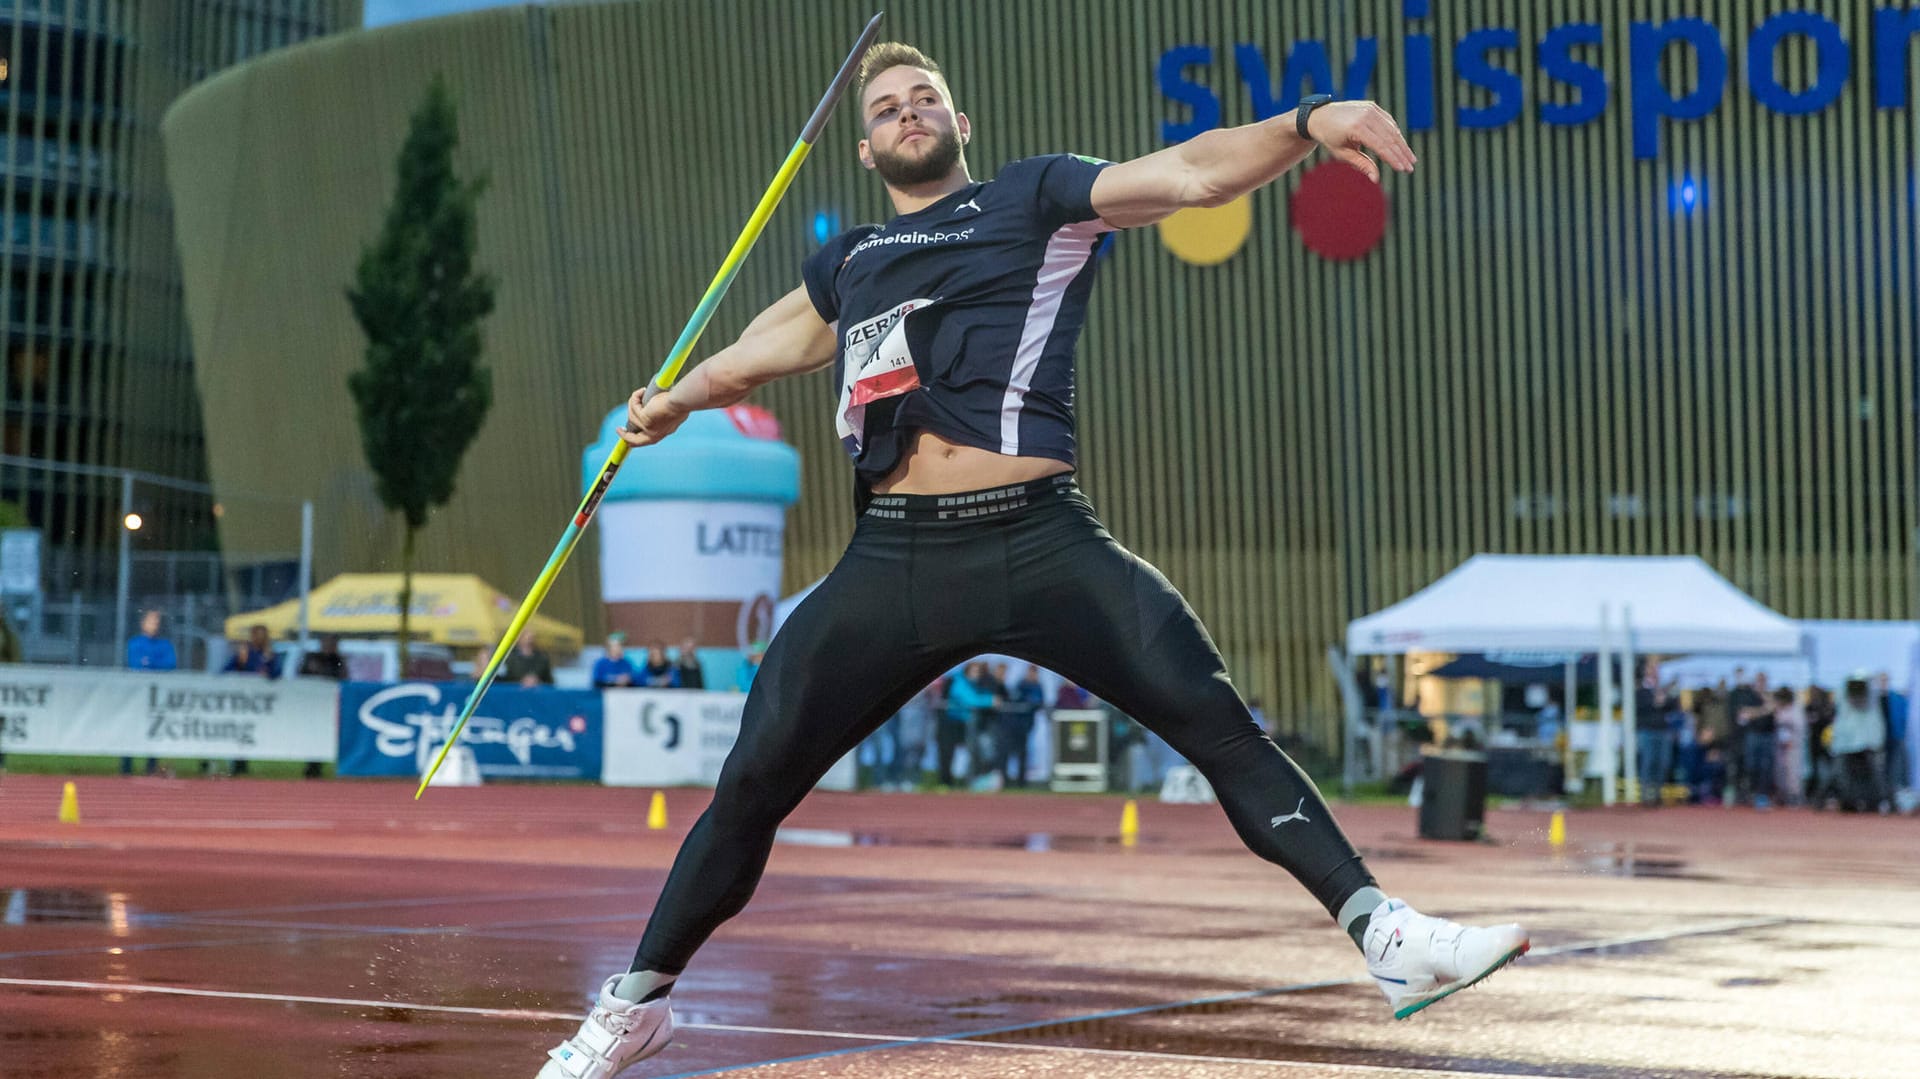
column 952, row 329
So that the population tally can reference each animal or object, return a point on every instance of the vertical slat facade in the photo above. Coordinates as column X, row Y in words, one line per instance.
column 97, row 368
column 1554, row 348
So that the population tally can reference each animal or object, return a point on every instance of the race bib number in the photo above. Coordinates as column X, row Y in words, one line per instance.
column 878, row 364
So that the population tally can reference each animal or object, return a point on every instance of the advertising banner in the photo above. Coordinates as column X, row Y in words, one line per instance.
column 678, row 738
column 544, row 733
column 114, row 713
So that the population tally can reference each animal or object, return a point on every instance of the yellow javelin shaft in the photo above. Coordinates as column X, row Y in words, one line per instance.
column 668, row 374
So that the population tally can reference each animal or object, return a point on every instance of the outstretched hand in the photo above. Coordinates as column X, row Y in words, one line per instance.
column 650, row 418
column 1353, row 130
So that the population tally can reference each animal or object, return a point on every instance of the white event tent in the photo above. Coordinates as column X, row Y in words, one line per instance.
column 1835, row 651
column 1555, row 603
column 1576, row 604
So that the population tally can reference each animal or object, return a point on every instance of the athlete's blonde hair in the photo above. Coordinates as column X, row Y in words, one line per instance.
column 891, row 54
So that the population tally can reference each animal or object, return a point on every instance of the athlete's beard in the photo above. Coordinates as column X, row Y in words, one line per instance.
column 900, row 170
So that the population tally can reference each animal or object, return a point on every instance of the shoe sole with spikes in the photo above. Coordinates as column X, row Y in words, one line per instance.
column 1445, row 991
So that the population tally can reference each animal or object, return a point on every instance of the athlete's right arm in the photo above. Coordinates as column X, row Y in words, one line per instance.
column 788, row 338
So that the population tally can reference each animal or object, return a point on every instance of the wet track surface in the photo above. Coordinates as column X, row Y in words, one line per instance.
column 229, row 929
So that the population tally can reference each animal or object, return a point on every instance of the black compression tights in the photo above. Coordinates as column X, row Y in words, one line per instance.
column 912, row 598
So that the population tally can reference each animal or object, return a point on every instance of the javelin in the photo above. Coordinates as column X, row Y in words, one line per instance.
column 669, row 372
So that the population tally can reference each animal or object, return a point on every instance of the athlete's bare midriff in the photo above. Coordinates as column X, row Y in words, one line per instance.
column 934, row 466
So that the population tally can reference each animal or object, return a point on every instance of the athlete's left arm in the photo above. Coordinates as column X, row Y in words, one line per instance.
column 1218, row 166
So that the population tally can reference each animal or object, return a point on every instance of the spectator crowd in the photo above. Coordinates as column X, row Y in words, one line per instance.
column 977, row 721
column 1742, row 741
column 1745, row 741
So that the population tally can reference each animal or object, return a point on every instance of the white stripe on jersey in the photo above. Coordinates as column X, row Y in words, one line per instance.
column 1066, row 256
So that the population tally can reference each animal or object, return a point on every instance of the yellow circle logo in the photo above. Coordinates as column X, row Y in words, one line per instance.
column 1207, row 236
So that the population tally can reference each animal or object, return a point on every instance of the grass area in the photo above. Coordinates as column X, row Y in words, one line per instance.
column 51, row 764
column 1372, row 794
column 1365, row 794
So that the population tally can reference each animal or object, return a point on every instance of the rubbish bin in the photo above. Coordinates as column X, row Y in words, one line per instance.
column 1453, row 801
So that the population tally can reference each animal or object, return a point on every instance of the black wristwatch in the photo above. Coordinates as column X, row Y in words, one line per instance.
column 1305, row 109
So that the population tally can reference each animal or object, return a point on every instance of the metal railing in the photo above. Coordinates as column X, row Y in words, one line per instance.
column 79, row 629
column 70, row 627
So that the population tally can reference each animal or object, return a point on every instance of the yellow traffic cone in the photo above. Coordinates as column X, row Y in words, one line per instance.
column 1129, row 824
column 1557, row 829
column 657, row 812
column 69, row 804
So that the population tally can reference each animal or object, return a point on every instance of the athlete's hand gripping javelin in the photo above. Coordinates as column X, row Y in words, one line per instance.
column 651, row 417
column 788, row 338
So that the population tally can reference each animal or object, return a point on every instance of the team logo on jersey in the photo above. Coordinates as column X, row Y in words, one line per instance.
column 876, row 364
column 970, row 204
column 914, row 238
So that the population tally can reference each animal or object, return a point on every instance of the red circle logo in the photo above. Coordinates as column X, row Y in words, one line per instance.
column 1339, row 213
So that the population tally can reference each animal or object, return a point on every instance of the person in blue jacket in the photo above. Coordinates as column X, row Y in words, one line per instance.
column 149, row 652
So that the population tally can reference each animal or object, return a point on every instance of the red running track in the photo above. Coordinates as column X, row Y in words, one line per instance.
column 216, row 929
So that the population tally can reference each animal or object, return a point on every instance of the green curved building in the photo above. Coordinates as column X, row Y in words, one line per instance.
column 1650, row 290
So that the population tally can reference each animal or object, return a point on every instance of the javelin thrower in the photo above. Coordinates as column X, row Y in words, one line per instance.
column 951, row 331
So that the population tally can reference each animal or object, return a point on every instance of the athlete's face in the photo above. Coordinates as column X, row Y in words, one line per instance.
column 913, row 135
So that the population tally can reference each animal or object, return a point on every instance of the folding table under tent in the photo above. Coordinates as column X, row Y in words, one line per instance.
column 1575, row 604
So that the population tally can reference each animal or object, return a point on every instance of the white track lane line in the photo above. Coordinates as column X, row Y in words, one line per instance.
column 282, row 998
column 879, row 1040
column 411, row 901
column 1734, row 925
column 1314, row 1066
column 959, row 1039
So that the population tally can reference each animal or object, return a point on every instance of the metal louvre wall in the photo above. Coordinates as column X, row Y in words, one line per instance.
column 1546, row 353
column 97, row 370
column 45, row 270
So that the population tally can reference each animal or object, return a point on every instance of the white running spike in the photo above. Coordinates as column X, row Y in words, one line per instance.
column 616, row 1033
column 1417, row 960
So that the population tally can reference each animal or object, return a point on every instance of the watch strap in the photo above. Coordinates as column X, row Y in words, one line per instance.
column 1305, row 109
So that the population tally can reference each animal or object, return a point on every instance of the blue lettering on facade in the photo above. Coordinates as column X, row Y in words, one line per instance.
column 1893, row 32
column 1489, row 64
column 1471, row 58
column 1647, row 44
column 1306, row 70
column 1558, row 62
column 1834, row 63
column 1198, row 97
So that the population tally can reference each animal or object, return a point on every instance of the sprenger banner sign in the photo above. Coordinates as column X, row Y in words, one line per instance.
column 394, row 730
column 140, row 714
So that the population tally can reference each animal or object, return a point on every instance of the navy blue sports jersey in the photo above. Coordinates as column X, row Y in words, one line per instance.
column 961, row 317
